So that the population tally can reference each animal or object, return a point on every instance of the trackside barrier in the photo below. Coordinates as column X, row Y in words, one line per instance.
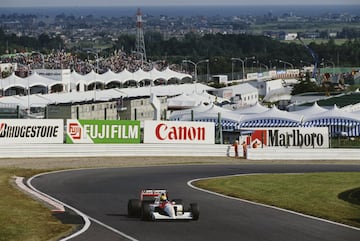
column 110, row 150
column 303, row 154
column 136, row 150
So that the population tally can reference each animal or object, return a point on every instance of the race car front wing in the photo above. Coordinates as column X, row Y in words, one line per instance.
column 159, row 216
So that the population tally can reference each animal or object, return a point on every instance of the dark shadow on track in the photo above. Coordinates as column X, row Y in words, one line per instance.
column 69, row 217
column 351, row 196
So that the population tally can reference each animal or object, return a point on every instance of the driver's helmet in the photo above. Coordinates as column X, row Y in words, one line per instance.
column 163, row 197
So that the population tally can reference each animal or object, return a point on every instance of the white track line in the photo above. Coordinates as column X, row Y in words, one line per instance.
column 85, row 217
column 20, row 183
column 189, row 183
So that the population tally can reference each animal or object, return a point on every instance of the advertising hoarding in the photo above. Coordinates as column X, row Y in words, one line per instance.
column 31, row 131
column 304, row 137
column 102, row 131
column 179, row 132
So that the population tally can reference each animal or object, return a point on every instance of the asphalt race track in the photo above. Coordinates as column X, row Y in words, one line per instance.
column 102, row 194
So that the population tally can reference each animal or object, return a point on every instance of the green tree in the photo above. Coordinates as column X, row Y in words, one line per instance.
column 305, row 85
column 125, row 43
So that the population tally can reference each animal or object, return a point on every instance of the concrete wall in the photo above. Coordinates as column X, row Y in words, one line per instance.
column 303, row 154
column 90, row 150
column 113, row 150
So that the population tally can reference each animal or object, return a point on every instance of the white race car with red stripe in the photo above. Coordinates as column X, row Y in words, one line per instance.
column 153, row 206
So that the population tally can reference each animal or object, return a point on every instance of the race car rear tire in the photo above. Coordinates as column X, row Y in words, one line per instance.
column 145, row 212
column 195, row 211
column 134, row 208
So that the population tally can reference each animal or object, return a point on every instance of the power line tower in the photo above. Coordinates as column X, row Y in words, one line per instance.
column 140, row 43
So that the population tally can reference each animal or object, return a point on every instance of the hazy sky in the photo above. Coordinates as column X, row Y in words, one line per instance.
column 83, row 3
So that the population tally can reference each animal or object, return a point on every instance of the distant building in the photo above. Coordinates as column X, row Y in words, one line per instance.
column 140, row 108
column 85, row 111
column 242, row 94
column 135, row 108
column 290, row 36
column 220, row 79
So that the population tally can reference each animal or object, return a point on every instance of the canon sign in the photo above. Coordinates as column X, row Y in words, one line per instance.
column 163, row 132
column 179, row 132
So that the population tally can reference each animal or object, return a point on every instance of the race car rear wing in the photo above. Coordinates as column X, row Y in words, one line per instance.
column 146, row 193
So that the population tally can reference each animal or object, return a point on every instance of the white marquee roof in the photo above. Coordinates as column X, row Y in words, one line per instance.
column 33, row 80
column 189, row 100
column 125, row 76
column 208, row 113
column 310, row 111
column 92, row 77
column 334, row 113
column 273, row 114
column 41, row 100
column 258, row 108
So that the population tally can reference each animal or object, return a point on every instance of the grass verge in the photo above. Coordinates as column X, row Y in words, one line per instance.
column 332, row 196
column 23, row 218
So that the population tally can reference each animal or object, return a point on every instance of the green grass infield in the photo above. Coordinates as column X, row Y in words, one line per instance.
column 331, row 196
column 23, row 218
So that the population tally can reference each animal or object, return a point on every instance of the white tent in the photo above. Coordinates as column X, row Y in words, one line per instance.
column 91, row 78
column 110, row 76
column 255, row 109
column 169, row 74
column 24, row 102
column 340, row 122
column 208, row 113
column 189, row 100
column 104, row 95
column 310, row 111
column 271, row 118
column 334, row 116
column 36, row 79
column 13, row 81
column 125, row 76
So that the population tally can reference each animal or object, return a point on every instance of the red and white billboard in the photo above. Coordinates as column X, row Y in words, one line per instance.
column 179, row 132
column 303, row 137
column 31, row 131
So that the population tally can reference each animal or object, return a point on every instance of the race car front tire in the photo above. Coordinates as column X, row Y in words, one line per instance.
column 145, row 212
column 134, row 208
column 195, row 211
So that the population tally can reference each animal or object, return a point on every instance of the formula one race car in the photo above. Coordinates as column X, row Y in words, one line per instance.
column 154, row 205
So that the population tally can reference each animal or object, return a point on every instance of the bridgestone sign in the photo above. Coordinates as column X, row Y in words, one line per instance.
column 31, row 131
column 179, row 132
column 291, row 137
column 102, row 131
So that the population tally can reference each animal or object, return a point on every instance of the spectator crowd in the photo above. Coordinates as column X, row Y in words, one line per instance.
column 117, row 62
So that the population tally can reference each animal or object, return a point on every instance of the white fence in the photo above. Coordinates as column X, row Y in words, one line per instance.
column 171, row 150
column 332, row 154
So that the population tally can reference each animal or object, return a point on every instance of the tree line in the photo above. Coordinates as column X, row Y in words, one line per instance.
column 218, row 48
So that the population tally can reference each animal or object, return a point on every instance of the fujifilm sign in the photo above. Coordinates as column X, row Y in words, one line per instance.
column 291, row 137
column 102, row 131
